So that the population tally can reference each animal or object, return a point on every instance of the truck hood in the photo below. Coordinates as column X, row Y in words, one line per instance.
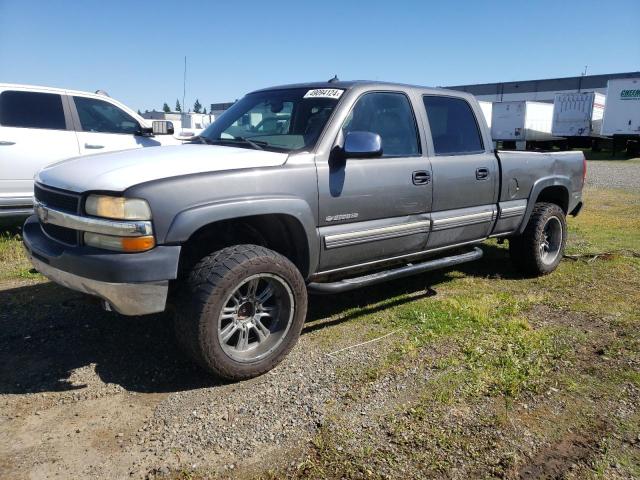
column 117, row 171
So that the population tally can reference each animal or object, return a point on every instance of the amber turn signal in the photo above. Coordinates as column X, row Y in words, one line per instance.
column 138, row 244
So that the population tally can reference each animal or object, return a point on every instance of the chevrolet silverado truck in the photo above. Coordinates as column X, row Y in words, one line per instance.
column 310, row 188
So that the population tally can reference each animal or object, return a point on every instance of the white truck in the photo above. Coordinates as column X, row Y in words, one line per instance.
column 522, row 124
column 578, row 118
column 622, row 114
column 43, row 125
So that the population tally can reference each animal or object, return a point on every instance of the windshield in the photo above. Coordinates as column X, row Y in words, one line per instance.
column 280, row 120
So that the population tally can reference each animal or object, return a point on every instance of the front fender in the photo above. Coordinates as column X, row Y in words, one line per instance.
column 190, row 220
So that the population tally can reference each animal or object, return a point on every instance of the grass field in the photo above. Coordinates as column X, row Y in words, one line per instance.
column 486, row 373
column 524, row 375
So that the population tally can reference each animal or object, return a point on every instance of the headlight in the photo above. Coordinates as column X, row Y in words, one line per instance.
column 119, row 244
column 120, row 208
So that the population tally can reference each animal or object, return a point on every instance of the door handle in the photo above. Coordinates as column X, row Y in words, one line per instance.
column 6, row 143
column 421, row 177
column 482, row 173
column 94, row 147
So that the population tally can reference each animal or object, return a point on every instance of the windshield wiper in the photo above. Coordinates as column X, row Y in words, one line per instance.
column 205, row 140
column 254, row 144
column 257, row 145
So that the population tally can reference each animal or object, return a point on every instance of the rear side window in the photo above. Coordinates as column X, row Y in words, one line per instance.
column 100, row 116
column 389, row 115
column 454, row 128
column 32, row 110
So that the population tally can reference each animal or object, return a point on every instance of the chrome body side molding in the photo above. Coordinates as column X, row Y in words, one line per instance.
column 374, row 234
column 514, row 208
column 444, row 223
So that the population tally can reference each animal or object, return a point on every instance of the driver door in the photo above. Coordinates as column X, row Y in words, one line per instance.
column 103, row 127
column 376, row 208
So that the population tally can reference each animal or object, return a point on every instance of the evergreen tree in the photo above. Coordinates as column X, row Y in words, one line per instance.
column 197, row 106
column 178, row 107
column 165, row 108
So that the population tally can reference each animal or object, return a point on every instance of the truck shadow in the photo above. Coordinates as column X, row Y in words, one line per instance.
column 48, row 332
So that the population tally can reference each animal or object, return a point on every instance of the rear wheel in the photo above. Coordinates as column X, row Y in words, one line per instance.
column 241, row 311
column 540, row 248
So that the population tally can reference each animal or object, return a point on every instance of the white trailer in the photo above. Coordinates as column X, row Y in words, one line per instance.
column 522, row 122
column 487, row 108
column 578, row 114
column 622, row 114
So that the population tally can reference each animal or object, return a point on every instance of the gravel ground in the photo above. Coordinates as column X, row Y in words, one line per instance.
column 80, row 398
column 616, row 174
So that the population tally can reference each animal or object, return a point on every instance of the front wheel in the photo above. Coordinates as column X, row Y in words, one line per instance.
column 241, row 311
column 540, row 248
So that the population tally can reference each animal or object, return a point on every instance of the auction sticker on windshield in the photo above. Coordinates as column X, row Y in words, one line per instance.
column 324, row 93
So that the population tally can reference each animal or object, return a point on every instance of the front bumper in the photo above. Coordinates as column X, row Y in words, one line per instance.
column 130, row 283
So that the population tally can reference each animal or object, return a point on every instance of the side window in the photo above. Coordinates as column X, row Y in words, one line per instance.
column 453, row 126
column 100, row 116
column 32, row 110
column 390, row 116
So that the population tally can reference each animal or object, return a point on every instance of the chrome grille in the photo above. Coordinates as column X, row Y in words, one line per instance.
column 59, row 200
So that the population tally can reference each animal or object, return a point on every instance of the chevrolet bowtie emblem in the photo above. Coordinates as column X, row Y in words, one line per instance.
column 43, row 213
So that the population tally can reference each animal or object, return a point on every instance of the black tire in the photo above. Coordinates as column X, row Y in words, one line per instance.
column 213, row 283
column 527, row 251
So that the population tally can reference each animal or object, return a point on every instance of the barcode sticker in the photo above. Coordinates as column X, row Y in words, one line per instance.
column 324, row 93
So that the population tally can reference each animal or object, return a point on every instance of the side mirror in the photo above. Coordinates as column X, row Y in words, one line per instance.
column 144, row 131
column 162, row 127
column 362, row 145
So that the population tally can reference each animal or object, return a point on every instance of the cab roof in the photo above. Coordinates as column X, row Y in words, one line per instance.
column 369, row 84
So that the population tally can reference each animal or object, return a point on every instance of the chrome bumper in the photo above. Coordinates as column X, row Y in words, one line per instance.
column 124, row 298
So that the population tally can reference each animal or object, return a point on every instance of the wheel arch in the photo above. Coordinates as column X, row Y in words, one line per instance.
column 283, row 225
column 548, row 189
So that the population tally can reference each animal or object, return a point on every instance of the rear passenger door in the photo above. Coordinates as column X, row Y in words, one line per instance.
column 104, row 127
column 465, row 173
column 35, row 130
column 376, row 208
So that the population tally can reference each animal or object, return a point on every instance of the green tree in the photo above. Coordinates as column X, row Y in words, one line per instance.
column 165, row 108
column 178, row 107
column 139, row 112
column 204, row 110
column 197, row 106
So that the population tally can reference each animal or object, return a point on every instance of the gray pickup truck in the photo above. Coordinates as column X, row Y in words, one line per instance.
column 319, row 187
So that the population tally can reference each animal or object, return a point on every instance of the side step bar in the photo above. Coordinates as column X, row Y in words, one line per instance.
column 405, row 271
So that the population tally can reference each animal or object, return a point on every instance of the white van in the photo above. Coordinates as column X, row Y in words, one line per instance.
column 42, row 125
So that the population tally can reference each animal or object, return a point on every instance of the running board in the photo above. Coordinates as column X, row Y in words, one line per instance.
column 386, row 275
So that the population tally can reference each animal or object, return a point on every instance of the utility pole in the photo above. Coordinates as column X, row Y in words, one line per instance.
column 184, row 82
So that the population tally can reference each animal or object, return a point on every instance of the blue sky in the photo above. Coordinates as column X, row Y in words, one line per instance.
column 135, row 50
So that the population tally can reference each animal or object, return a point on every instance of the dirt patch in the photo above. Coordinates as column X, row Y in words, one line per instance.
column 562, row 457
column 543, row 316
